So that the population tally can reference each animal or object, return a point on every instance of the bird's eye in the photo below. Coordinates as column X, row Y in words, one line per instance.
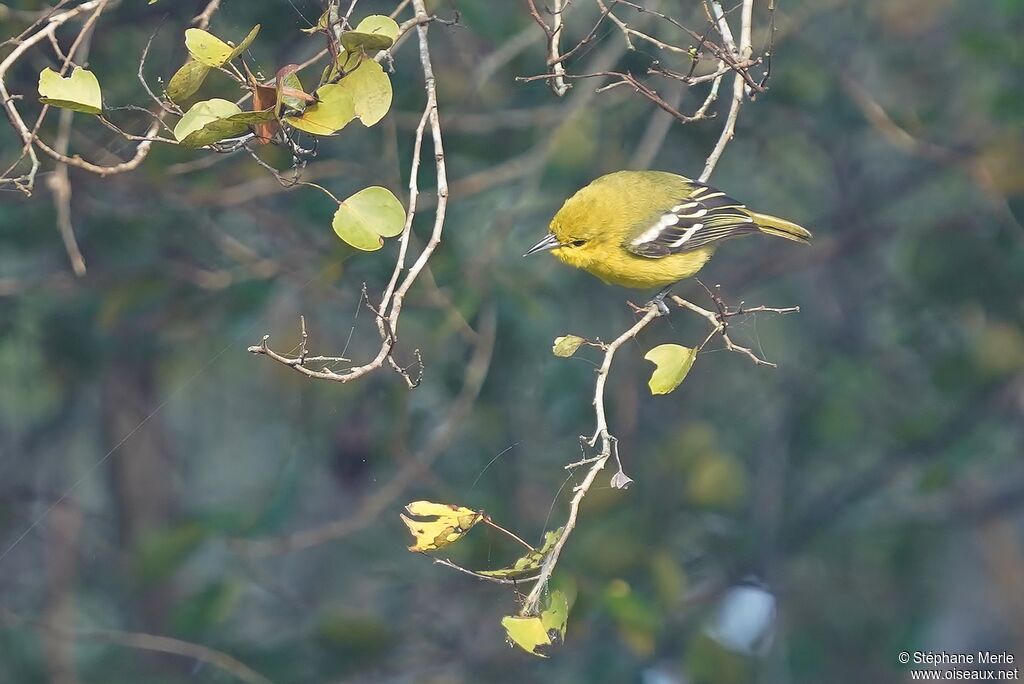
column 577, row 243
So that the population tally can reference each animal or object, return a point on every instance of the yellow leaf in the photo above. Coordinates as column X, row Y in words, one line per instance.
column 527, row 633
column 531, row 633
column 673, row 363
column 450, row 524
column 429, row 508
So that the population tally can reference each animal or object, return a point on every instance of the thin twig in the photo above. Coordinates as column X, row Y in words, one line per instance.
column 202, row 20
column 487, row 578
column 743, row 51
column 389, row 310
column 624, row 79
column 720, row 325
column 558, row 84
column 554, row 36
column 532, row 602
column 488, row 521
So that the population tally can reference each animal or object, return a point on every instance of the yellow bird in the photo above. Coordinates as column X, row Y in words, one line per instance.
column 647, row 229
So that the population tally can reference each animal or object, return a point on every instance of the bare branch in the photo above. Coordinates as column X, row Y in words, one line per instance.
column 738, row 92
column 530, row 606
column 554, row 37
column 487, row 578
column 720, row 323
column 202, row 20
column 389, row 309
column 558, row 84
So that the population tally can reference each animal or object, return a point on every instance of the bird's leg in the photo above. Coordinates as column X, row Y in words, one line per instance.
column 659, row 300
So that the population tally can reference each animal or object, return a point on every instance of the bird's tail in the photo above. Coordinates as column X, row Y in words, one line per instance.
column 771, row 225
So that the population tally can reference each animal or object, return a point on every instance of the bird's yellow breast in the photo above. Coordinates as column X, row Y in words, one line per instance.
column 620, row 267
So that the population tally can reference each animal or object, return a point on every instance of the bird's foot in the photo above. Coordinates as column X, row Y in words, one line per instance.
column 659, row 301
column 660, row 304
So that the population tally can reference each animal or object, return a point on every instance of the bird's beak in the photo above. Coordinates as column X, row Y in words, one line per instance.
column 548, row 242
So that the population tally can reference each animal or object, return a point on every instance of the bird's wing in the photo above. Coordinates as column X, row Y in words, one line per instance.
column 705, row 216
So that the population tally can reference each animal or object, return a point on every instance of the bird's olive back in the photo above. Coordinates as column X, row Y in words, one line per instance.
column 617, row 205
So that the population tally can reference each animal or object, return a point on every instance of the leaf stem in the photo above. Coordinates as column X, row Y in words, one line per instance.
column 513, row 535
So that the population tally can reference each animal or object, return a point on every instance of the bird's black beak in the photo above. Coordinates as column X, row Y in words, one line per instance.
column 549, row 242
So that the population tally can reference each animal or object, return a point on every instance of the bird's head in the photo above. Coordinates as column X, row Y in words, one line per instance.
column 580, row 228
column 573, row 246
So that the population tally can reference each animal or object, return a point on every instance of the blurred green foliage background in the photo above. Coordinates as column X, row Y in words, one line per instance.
column 874, row 481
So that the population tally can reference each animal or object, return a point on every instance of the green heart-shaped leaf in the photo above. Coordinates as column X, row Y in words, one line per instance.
column 187, row 80
column 375, row 32
column 334, row 109
column 673, row 363
column 228, row 127
column 379, row 25
column 371, row 91
column 214, row 120
column 353, row 40
column 367, row 217
column 202, row 113
column 79, row 92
